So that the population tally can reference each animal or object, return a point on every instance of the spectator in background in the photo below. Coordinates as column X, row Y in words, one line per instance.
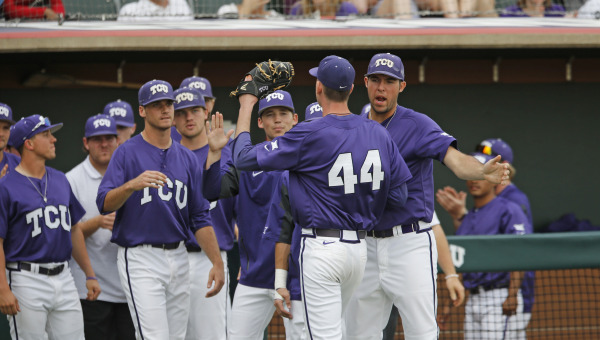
column 122, row 113
column 323, row 8
column 533, row 8
column 33, row 9
column 8, row 161
column 160, row 10
column 589, row 10
column 495, row 298
column 409, row 9
column 248, row 9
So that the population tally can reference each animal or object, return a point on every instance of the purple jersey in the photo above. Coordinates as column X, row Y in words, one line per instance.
column 420, row 141
column 33, row 230
column 11, row 160
column 254, row 190
column 280, row 228
column 221, row 211
column 498, row 217
column 344, row 170
column 553, row 10
column 345, row 8
column 155, row 216
column 514, row 194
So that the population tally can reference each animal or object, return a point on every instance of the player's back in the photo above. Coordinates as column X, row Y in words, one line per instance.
column 342, row 169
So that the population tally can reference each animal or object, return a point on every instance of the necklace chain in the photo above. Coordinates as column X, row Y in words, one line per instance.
column 36, row 189
column 389, row 121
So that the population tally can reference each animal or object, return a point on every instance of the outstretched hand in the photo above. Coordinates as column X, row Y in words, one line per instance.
column 217, row 139
column 496, row 172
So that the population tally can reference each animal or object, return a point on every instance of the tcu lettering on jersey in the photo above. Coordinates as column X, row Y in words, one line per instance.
column 384, row 62
column 315, row 108
column 53, row 217
column 180, row 199
column 117, row 111
column 159, row 88
column 3, row 111
column 101, row 122
column 274, row 96
column 197, row 85
column 186, row 96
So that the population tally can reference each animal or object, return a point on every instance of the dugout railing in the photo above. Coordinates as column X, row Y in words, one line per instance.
column 567, row 282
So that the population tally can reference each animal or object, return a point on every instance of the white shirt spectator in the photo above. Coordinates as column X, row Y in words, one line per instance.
column 589, row 10
column 147, row 10
column 85, row 180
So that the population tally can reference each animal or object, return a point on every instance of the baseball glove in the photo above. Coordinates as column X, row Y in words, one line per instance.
column 267, row 77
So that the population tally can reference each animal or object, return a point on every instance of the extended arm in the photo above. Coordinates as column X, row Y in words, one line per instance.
column 468, row 168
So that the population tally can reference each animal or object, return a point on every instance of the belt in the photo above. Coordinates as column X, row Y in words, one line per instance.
column 192, row 249
column 486, row 288
column 166, row 246
column 343, row 235
column 35, row 268
column 397, row 230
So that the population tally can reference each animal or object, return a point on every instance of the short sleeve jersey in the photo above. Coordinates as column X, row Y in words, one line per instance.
column 155, row 216
column 34, row 230
column 341, row 171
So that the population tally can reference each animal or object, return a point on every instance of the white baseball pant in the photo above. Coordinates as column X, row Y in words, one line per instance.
column 208, row 316
column 157, row 286
column 330, row 272
column 484, row 319
column 400, row 270
column 49, row 305
column 251, row 312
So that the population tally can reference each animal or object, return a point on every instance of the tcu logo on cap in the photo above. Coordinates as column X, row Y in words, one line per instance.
column 159, row 88
column 197, row 85
column 274, row 96
column 117, row 111
column 384, row 62
column 3, row 111
column 101, row 122
column 188, row 97
column 315, row 108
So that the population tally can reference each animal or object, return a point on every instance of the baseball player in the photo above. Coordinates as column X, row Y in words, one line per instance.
column 402, row 254
column 39, row 232
column 455, row 203
column 344, row 170
column 108, row 317
column 154, row 186
column 8, row 161
column 495, row 298
column 122, row 113
column 9, row 145
column 202, row 85
column 208, row 317
column 313, row 111
column 253, row 308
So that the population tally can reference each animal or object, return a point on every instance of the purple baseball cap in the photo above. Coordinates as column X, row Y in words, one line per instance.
column 495, row 147
column 6, row 113
column 335, row 73
column 12, row 138
column 188, row 97
column 366, row 109
column 199, row 83
column 154, row 91
column 30, row 126
column 313, row 111
column 481, row 157
column 121, row 112
column 99, row 125
column 277, row 98
column 388, row 64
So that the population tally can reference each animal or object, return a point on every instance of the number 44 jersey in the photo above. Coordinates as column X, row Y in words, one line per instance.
column 344, row 171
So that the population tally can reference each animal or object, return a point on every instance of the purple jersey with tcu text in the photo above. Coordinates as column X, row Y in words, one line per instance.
column 221, row 211
column 11, row 160
column 420, row 140
column 344, row 170
column 155, row 216
column 498, row 217
column 33, row 230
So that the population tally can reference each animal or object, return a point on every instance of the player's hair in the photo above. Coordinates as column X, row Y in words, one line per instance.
column 513, row 171
column 336, row 96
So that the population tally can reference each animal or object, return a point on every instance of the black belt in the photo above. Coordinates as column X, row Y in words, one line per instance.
column 337, row 233
column 405, row 229
column 486, row 288
column 192, row 249
column 166, row 246
column 42, row 270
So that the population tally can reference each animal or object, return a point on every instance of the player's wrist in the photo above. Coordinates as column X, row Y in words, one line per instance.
column 280, row 278
column 451, row 276
column 88, row 278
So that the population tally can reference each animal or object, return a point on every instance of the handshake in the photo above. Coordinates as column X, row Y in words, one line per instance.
column 267, row 77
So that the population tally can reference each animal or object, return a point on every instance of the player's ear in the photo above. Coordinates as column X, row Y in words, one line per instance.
column 142, row 112
column 85, row 145
column 366, row 81
column 402, row 86
column 260, row 123
column 295, row 118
